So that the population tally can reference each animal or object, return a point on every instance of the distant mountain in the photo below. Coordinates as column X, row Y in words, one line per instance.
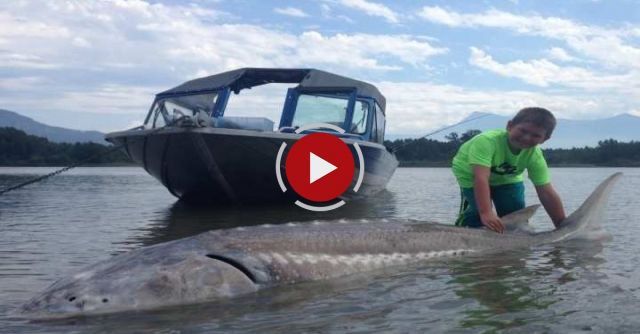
column 568, row 133
column 52, row 133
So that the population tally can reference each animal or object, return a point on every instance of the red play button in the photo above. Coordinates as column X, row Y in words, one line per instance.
column 319, row 167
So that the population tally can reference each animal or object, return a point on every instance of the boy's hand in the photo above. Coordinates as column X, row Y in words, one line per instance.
column 492, row 222
column 482, row 195
column 552, row 203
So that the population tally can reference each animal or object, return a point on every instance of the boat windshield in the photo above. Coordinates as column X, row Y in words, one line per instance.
column 320, row 109
column 166, row 110
column 329, row 109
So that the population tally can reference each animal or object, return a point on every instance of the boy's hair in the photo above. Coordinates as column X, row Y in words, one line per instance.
column 538, row 116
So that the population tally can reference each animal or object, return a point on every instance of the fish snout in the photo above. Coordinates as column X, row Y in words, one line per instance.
column 54, row 303
column 117, row 287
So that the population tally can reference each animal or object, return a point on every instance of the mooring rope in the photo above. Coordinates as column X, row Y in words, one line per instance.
column 97, row 155
column 62, row 170
column 395, row 148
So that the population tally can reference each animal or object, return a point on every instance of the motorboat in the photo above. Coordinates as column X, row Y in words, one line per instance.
column 200, row 154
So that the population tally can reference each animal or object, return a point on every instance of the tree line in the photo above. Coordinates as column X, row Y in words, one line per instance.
column 20, row 149
column 429, row 152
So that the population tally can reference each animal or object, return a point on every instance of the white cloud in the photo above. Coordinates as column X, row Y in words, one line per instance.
column 21, row 83
column 110, row 99
column 355, row 50
column 104, row 99
column 608, row 45
column 327, row 13
column 418, row 108
column 291, row 11
column 21, row 26
column 372, row 9
column 441, row 16
column 325, row 10
column 26, row 61
column 157, row 36
column 112, row 57
column 81, row 42
column 542, row 72
column 560, row 54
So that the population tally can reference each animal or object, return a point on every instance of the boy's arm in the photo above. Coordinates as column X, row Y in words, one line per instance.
column 551, row 202
column 482, row 194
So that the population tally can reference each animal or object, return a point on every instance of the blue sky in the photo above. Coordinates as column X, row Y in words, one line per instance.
column 97, row 64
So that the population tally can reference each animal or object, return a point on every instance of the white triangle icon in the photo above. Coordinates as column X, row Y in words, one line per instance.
column 318, row 168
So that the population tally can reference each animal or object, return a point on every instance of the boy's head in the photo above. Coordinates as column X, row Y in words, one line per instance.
column 531, row 126
column 538, row 116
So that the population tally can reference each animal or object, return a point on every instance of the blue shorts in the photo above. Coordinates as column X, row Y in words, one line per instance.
column 506, row 198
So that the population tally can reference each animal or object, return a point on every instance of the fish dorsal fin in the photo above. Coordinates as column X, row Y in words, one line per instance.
column 518, row 221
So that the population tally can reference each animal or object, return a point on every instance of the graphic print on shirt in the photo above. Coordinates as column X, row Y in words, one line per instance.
column 504, row 169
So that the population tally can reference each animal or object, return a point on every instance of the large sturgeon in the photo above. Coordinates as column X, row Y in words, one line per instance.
column 226, row 263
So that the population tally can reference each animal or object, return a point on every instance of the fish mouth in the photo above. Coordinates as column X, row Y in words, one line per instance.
column 236, row 264
column 38, row 309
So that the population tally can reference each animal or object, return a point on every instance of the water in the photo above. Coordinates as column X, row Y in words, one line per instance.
column 54, row 228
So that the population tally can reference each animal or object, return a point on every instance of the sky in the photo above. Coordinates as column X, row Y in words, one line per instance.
column 96, row 65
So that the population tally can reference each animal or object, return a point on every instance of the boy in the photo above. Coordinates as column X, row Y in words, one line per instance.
column 490, row 165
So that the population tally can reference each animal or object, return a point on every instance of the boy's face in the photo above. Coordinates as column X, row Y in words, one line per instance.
column 525, row 135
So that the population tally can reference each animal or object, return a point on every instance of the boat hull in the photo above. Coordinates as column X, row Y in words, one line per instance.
column 235, row 166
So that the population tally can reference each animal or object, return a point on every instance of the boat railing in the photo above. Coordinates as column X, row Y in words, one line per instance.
column 201, row 119
column 245, row 123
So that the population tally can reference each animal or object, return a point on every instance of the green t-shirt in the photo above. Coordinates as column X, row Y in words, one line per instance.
column 491, row 149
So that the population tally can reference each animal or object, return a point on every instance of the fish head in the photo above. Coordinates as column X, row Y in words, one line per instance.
column 131, row 282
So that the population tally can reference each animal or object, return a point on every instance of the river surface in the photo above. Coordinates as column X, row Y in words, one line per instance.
column 53, row 228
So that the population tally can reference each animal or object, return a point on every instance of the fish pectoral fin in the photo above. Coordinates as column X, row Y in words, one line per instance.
column 519, row 220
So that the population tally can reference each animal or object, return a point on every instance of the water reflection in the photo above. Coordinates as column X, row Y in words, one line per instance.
column 181, row 220
column 514, row 288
